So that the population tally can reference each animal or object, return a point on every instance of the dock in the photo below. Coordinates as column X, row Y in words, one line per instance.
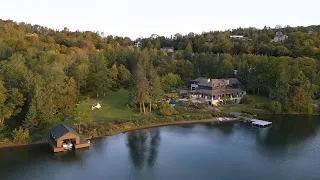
column 260, row 123
column 254, row 122
column 63, row 138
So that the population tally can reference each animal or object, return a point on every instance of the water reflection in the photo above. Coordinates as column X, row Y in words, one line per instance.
column 224, row 128
column 143, row 147
column 289, row 130
column 181, row 152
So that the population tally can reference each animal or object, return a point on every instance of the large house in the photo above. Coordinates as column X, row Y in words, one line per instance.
column 214, row 91
column 279, row 37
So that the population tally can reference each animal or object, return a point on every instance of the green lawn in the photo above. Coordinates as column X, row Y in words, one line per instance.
column 114, row 106
column 316, row 101
column 256, row 105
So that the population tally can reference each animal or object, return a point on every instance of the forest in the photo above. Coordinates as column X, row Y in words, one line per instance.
column 44, row 73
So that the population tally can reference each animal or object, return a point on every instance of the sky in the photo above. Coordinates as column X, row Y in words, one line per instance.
column 141, row 18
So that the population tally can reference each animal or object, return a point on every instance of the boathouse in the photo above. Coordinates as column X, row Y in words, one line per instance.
column 63, row 137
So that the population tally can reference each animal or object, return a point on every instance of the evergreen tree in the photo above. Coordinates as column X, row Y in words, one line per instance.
column 99, row 81
column 124, row 76
column 155, row 90
column 139, row 90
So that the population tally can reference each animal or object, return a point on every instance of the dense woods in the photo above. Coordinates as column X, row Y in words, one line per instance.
column 45, row 72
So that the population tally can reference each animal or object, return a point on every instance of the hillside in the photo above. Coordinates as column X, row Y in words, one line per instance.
column 44, row 72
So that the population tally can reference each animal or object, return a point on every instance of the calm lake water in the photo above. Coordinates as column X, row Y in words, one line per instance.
column 290, row 149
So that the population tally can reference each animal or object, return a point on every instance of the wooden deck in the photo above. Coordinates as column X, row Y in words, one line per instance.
column 83, row 144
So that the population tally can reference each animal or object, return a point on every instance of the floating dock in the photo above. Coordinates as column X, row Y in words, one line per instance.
column 62, row 135
column 260, row 123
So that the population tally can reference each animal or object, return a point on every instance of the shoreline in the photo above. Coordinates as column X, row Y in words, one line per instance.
column 213, row 121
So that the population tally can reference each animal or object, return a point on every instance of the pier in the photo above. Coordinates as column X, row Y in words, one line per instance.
column 254, row 122
column 260, row 123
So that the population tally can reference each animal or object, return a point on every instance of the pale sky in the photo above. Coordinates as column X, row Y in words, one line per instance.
column 135, row 18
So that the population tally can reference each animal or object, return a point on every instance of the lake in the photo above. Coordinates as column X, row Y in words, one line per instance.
column 290, row 149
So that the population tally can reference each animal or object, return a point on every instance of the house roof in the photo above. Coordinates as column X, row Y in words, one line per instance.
column 217, row 91
column 61, row 129
column 227, row 91
column 204, row 81
column 233, row 81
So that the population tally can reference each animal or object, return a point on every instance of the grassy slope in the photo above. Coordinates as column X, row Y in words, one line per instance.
column 246, row 107
column 114, row 106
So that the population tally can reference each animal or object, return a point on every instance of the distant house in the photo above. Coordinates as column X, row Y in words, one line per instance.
column 279, row 37
column 310, row 31
column 214, row 91
column 31, row 35
column 137, row 44
column 167, row 49
column 240, row 37
column 236, row 36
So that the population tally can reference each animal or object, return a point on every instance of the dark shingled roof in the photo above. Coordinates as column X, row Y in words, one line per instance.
column 233, row 81
column 61, row 129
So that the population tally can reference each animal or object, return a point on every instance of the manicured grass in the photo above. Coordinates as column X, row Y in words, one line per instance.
column 114, row 106
column 256, row 106
column 316, row 101
column 258, row 99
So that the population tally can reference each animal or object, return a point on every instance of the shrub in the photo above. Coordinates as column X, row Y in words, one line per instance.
column 229, row 101
column 20, row 136
column 275, row 107
column 178, row 118
column 165, row 109
column 201, row 106
column 246, row 100
column 259, row 105
column 180, row 109
column 4, row 133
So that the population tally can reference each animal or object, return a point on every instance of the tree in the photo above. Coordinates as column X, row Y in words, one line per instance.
column 70, row 97
column 185, row 69
column 275, row 107
column 21, row 136
column 5, row 51
column 10, row 102
column 226, row 69
column 99, row 80
column 31, row 120
column 82, row 114
column 301, row 100
column 170, row 81
column 188, row 51
column 139, row 89
column 124, row 76
column 80, row 74
column 114, row 73
column 155, row 90
column 165, row 109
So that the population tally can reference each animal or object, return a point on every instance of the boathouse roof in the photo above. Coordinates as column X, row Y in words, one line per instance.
column 61, row 129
